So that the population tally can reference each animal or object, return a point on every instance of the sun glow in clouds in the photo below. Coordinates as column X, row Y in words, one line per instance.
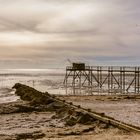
column 54, row 30
column 17, row 38
column 71, row 18
column 65, row 18
column 28, row 38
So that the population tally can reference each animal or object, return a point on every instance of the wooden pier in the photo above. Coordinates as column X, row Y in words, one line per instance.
column 82, row 79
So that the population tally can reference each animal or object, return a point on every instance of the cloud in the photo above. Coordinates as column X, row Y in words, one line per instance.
column 46, row 32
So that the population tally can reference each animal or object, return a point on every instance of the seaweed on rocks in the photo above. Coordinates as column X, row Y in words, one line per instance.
column 30, row 94
column 38, row 101
column 44, row 100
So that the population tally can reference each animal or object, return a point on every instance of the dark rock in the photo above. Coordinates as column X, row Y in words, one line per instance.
column 85, row 119
column 34, row 135
column 71, row 120
column 30, row 94
column 54, row 106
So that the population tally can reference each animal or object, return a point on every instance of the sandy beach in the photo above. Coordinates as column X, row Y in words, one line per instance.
column 51, row 120
column 41, row 125
column 122, row 107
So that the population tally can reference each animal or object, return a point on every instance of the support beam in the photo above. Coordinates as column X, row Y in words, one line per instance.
column 123, row 80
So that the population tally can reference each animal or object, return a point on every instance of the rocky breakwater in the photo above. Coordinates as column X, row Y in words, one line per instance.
column 40, row 115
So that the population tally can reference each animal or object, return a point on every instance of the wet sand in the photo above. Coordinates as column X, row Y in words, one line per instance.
column 40, row 125
column 43, row 126
column 123, row 108
column 39, row 116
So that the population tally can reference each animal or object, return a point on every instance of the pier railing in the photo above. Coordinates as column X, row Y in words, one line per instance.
column 103, row 79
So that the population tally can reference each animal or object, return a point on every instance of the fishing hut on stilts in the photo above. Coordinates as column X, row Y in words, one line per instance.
column 78, row 78
column 81, row 79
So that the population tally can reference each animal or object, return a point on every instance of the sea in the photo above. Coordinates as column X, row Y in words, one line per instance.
column 44, row 80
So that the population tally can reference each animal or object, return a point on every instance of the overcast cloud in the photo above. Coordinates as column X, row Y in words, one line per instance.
column 45, row 33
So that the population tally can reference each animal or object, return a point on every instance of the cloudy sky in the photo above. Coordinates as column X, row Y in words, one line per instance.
column 45, row 33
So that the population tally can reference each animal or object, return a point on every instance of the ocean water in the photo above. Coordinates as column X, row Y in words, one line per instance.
column 45, row 80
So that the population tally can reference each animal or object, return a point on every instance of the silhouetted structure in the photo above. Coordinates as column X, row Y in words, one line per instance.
column 82, row 79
